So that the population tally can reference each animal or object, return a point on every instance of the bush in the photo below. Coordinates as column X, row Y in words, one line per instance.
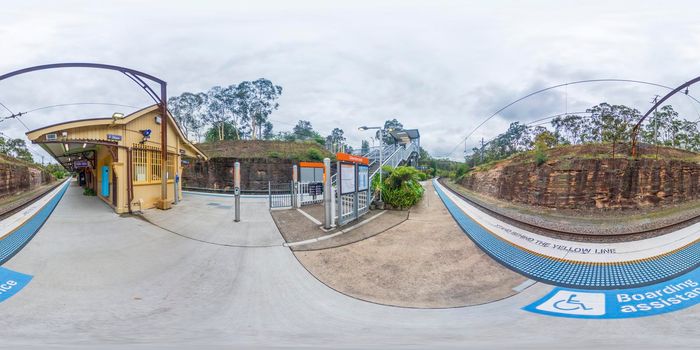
column 422, row 176
column 540, row 152
column 400, row 187
column 273, row 154
column 314, row 154
column 540, row 157
column 89, row 192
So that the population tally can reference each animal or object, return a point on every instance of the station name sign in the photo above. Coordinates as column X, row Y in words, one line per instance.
column 345, row 157
column 80, row 163
column 114, row 137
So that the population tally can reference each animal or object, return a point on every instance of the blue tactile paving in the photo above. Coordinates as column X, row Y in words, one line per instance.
column 14, row 242
column 578, row 274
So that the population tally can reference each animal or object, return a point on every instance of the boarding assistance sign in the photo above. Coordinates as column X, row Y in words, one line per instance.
column 679, row 293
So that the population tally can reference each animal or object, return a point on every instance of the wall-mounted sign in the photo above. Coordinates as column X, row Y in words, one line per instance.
column 362, row 177
column 80, row 163
column 113, row 137
column 347, row 178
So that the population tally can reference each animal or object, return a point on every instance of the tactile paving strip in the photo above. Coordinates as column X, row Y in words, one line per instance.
column 15, row 241
column 576, row 274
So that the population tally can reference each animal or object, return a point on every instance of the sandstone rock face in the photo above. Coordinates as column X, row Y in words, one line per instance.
column 217, row 173
column 591, row 183
column 15, row 179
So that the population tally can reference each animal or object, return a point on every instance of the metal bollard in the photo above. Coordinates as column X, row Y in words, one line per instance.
column 237, row 189
column 175, row 190
column 327, row 206
column 295, row 187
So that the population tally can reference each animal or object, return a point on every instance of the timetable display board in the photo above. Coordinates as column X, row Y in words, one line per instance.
column 347, row 178
column 362, row 178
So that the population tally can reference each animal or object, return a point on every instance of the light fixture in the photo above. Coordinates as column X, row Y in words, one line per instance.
column 84, row 145
column 65, row 145
column 117, row 115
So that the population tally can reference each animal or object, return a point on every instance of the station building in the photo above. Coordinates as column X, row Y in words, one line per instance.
column 119, row 158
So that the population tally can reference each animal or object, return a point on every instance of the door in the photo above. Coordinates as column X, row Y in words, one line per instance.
column 104, row 184
column 114, row 189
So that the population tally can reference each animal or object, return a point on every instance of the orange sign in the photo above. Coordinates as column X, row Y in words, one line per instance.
column 310, row 165
column 344, row 157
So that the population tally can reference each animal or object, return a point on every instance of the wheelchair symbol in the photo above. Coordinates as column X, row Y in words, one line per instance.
column 571, row 304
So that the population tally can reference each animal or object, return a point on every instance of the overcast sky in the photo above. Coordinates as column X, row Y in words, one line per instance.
column 439, row 66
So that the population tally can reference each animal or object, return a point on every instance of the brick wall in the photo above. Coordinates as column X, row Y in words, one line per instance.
column 217, row 173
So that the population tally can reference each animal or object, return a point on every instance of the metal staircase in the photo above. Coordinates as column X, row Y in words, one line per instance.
column 393, row 156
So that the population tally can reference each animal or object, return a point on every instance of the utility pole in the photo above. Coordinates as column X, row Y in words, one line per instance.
column 656, row 125
column 482, row 151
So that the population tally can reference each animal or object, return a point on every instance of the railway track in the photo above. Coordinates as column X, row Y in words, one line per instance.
column 574, row 236
column 7, row 212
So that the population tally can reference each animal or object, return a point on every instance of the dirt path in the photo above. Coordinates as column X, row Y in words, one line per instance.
column 427, row 261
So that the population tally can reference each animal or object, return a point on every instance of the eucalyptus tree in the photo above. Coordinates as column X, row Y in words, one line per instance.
column 256, row 101
column 304, row 131
column 569, row 127
column 187, row 111
column 217, row 111
column 390, row 125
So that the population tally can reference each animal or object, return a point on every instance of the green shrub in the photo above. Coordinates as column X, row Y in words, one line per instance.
column 273, row 154
column 314, row 154
column 89, row 192
column 422, row 176
column 400, row 187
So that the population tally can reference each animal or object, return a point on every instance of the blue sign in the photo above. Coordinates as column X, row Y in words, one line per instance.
column 673, row 295
column 11, row 282
column 80, row 163
column 113, row 137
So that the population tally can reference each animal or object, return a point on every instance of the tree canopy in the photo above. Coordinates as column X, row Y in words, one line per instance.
column 601, row 123
column 244, row 108
column 16, row 148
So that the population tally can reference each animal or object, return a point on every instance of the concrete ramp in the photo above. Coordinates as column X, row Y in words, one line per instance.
column 100, row 279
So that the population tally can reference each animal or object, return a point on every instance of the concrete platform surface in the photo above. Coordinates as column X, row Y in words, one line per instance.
column 426, row 261
column 103, row 280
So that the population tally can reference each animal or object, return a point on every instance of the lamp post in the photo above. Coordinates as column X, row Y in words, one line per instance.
column 381, row 156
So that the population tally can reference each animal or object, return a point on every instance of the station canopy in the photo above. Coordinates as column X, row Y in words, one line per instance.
column 405, row 136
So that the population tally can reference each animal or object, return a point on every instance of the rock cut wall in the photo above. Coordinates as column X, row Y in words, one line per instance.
column 15, row 179
column 591, row 183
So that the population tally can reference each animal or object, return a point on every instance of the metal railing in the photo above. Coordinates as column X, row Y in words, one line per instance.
column 280, row 195
column 310, row 193
column 394, row 155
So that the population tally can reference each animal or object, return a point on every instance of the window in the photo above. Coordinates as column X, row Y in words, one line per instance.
column 146, row 162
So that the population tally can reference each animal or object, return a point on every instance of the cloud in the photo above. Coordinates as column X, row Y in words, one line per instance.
column 440, row 66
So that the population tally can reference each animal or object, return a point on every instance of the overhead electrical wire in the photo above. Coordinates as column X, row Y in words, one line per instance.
column 463, row 140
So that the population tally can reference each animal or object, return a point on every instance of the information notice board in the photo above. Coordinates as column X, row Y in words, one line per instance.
column 362, row 177
column 347, row 178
